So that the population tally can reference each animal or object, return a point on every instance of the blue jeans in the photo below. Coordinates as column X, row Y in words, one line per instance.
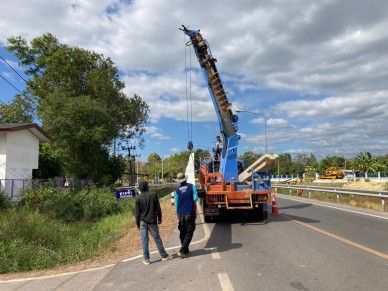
column 154, row 230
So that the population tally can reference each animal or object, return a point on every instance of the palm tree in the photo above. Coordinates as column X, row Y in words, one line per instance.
column 365, row 162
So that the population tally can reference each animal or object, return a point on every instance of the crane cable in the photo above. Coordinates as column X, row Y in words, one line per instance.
column 189, row 107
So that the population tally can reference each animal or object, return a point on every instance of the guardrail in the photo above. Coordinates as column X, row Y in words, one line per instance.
column 360, row 192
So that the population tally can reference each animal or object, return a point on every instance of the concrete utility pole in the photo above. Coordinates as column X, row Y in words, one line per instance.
column 131, row 170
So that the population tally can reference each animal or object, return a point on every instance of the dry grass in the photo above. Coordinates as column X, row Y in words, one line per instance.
column 128, row 246
column 353, row 200
column 364, row 185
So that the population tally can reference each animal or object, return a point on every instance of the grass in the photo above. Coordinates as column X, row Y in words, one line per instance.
column 31, row 240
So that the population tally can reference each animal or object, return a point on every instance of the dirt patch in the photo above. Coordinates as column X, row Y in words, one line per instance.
column 126, row 247
column 365, row 185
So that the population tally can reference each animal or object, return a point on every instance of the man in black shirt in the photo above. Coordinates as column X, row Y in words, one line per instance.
column 148, row 215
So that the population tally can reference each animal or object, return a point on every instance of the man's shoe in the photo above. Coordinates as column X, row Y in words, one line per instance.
column 167, row 258
column 182, row 255
column 146, row 262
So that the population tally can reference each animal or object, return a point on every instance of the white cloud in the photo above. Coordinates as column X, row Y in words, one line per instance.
column 156, row 133
column 316, row 69
column 175, row 150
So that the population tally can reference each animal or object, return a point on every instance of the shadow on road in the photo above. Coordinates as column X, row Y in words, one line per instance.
column 221, row 238
column 297, row 206
column 288, row 217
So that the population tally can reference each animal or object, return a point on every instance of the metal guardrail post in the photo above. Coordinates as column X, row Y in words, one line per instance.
column 335, row 190
column 382, row 204
column 309, row 194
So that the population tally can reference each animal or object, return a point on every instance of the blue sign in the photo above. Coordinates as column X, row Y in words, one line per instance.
column 125, row 193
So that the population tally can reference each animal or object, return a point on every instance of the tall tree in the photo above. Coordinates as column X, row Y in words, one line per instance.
column 80, row 102
column 20, row 109
column 249, row 158
column 365, row 162
column 285, row 164
column 330, row 161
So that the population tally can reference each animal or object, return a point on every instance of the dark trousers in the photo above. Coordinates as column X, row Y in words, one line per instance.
column 186, row 231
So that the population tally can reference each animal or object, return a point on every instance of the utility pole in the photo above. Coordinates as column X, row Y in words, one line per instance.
column 131, row 170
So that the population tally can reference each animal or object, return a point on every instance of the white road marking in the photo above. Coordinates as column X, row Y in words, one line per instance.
column 226, row 285
column 216, row 254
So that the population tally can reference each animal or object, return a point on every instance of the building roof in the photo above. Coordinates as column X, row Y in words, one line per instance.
column 31, row 127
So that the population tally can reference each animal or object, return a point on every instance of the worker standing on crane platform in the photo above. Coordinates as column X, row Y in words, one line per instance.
column 217, row 153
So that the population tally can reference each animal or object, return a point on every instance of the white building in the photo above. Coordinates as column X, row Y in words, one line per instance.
column 19, row 154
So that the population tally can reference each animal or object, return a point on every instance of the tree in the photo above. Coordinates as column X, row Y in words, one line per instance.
column 80, row 103
column 249, row 158
column 20, row 110
column 303, row 161
column 285, row 164
column 50, row 163
column 175, row 164
column 330, row 161
column 153, row 162
column 365, row 162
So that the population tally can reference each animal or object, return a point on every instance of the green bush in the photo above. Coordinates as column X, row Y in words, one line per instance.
column 4, row 201
column 88, row 203
column 97, row 203
column 54, row 202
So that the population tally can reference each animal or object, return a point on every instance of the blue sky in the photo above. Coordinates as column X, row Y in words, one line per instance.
column 316, row 69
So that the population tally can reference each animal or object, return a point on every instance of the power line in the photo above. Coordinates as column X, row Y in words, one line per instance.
column 13, row 69
column 11, row 84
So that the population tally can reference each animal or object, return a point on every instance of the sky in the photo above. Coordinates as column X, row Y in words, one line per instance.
column 312, row 74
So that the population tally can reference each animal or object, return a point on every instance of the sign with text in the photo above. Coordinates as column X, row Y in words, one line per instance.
column 125, row 193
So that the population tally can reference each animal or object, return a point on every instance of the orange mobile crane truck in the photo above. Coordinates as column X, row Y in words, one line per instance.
column 224, row 188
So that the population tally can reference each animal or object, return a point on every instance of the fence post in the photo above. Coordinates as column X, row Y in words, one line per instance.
column 382, row 204
column 12, row 188
column 337, row 196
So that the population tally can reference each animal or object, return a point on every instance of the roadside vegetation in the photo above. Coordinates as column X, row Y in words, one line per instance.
column 346, row 199
column 52, row 227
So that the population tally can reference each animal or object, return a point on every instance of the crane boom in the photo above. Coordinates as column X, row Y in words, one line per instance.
column 228, row 121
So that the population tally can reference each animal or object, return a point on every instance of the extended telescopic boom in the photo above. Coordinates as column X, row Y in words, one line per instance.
column 228, row 121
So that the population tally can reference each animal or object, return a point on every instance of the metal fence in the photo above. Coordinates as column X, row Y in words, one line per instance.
column 14, row 188
column 338, row 191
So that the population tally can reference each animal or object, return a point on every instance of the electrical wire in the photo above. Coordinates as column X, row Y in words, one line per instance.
column 13, row 69
column 11, row 84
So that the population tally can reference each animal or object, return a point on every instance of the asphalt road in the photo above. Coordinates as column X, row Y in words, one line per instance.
column 305, row 247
